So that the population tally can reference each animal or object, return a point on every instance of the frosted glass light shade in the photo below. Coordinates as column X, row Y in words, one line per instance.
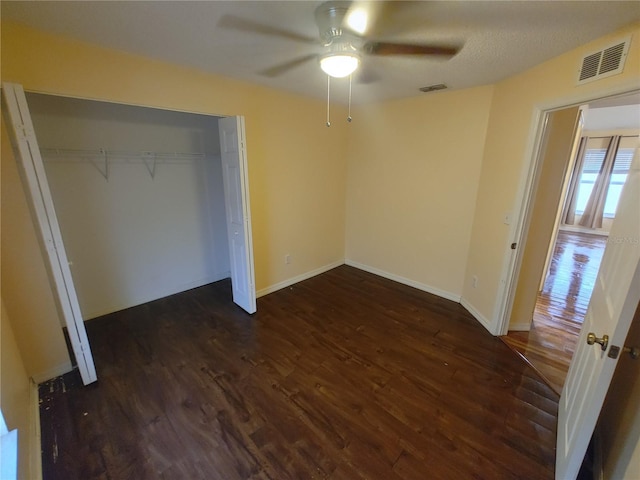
column 339, row 65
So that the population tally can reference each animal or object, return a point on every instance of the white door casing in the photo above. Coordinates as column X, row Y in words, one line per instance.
column 563, row 194
column 615, row 297
column 236, row 193
column 38, row 195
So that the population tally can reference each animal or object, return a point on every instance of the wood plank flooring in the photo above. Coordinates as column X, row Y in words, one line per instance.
column 342, row 376
column 561, row 307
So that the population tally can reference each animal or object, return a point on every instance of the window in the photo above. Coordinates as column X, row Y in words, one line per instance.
column 594, row 157
column 618, row 177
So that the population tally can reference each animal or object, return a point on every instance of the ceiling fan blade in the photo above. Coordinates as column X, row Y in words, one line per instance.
column 389, row 48
column 244, row 25
column 388, row 18
column 285, row 67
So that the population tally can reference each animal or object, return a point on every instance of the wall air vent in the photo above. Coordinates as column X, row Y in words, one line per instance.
column 433, row 88
column 604, row 63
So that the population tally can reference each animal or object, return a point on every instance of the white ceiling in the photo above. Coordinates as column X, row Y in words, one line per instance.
column 500, row 38
column 613, row 118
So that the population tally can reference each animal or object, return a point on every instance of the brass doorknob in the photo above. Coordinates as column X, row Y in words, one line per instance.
column 604, row 341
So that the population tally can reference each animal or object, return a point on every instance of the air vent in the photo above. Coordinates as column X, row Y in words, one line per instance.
column 604, row 63
column 433, row 88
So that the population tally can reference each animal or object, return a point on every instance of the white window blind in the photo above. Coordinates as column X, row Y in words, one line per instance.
column 594, row 157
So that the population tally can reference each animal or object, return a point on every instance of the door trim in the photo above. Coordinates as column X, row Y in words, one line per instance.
column 512, row 260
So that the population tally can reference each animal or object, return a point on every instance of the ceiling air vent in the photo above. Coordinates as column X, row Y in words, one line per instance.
column 604, row 63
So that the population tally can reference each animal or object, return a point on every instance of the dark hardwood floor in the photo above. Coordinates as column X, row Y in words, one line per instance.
column 342, row 376
column 561, row 307
column 572, row 275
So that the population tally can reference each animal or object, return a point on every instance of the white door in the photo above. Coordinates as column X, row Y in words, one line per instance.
column 614, row 300
column 236, row 194
column 37, row 191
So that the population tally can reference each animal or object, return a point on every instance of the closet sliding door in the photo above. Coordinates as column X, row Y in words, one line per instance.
column 29, row 161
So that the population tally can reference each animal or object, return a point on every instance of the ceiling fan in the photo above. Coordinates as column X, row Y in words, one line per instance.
column 342, row 28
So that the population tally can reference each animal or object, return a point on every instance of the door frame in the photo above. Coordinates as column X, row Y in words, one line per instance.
column 525, row 196
column 563, row 195
column 43, row 237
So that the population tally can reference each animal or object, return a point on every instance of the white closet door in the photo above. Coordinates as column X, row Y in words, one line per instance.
column 236, row 193
column 38, row 194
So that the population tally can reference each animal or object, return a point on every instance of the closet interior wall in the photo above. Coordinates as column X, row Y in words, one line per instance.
column 138, row 193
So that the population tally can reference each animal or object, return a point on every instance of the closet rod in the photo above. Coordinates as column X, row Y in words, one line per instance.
column 115, row 156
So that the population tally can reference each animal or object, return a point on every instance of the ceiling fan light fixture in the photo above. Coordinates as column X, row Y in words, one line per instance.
column 339, row 65
column 357, row 20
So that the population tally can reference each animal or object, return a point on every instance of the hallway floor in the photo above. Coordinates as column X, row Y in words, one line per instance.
column 561, row 307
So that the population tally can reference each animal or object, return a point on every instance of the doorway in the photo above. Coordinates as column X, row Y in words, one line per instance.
column 548, row 339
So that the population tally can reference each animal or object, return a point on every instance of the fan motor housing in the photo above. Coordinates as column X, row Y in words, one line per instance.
column 329, row 18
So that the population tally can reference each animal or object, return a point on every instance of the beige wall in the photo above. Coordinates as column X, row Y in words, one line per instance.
column 15, row 387
column 414, row 168
column 508, row 149
column 555, row 158
column 14, row 393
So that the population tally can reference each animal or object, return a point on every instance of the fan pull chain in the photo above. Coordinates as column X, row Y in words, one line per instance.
column 349, row 117
column 328, row 98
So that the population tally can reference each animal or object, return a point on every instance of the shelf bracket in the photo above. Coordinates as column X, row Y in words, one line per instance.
column 149, row 159
column 102, row 165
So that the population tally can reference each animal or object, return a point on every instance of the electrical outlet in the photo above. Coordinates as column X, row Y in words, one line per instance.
column 474, row 281
column 287, row 259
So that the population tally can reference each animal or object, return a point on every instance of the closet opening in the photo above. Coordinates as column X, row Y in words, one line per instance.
column 142, row 199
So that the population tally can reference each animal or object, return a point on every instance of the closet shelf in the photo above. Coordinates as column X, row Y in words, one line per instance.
column 116, row 156
column 101, row 159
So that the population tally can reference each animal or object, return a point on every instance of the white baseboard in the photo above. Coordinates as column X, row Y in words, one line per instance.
column 299, row 278
column 520, row 327
column 35, row 436
column 405, row 281
column 54, row 372
column 396, row 278
column 158, row 294
column 589, row 231
column 484, row 321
